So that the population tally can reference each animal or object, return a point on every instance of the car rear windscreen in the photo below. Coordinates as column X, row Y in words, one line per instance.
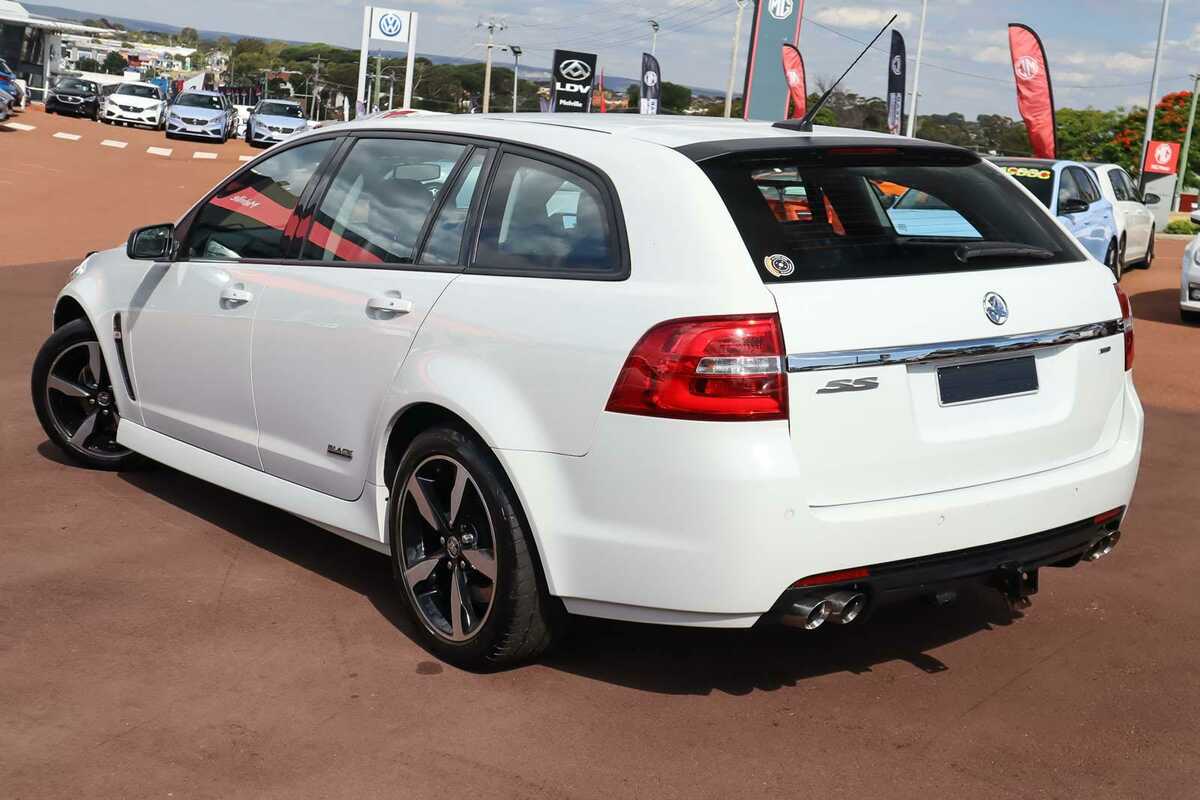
column 1039, row 180
column 811, row 213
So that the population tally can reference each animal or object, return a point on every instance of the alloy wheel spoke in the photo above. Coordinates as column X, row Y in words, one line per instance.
column 417, row 490
column 95, row 362
column 483, row 562
column 424, row 568
column 460, row 610
column 85, row 429
column 69, row 388
column 456, row 494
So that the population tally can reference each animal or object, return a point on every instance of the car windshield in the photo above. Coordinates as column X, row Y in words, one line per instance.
column 199, row 101
column 77, row 85
column 830, row 213
column 280, row 110
column 139, row 91
column 1037, row 178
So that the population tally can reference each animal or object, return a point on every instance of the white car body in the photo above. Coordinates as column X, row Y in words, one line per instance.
column 135, row 110
column 1189, row 288
column 1135, row 222
column 634, row 517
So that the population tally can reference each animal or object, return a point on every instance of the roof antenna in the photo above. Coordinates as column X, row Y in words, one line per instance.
column 805, row 124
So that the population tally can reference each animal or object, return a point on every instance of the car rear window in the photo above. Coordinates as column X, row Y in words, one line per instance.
column 852, row 212
column 1037, row 179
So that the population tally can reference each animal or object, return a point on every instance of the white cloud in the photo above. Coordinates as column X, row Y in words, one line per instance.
column 859, row 17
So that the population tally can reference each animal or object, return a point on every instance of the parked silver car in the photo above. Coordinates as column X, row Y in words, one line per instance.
column 272, row 121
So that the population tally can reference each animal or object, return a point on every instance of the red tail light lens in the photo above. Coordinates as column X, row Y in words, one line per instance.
column 1127, row 318
column 841, row 576
column 711, row 368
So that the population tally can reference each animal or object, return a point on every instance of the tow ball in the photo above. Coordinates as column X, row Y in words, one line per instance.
column 1017, row 584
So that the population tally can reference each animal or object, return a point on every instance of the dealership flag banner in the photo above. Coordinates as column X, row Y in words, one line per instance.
column 651, row 85
column 1162, row 158
column 897, row 74
column 793, row 73
column 574, row 74
column 766, row 91
column 1035, row 95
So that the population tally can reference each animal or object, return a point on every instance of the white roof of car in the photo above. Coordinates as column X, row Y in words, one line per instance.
column 669, row 131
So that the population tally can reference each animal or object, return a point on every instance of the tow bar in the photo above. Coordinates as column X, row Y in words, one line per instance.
column 1017, row 584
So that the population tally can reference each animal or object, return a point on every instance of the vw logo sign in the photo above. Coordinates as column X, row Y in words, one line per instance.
column 574, row 70
column 1163, row 153
column 390, row 24
column 995, row 308
column 897, row 65
column 1027, row 68
column 650, row 78
column 780, row 9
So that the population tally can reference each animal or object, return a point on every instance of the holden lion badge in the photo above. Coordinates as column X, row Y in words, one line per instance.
column 779, row 266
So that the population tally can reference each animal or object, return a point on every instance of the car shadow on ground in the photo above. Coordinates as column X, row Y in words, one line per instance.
column 643, row 657
column 1159, row 305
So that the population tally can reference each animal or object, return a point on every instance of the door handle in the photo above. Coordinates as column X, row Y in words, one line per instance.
column 236, row 295
column 390, row 304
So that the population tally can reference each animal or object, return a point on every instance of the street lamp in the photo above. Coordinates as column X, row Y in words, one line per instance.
column 653, row 35
column 516, row 51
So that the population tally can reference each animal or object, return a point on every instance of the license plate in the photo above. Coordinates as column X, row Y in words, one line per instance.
column 985, row 380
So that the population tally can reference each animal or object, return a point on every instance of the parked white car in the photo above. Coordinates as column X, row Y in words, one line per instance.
column 1135, row 222
column 136, row 103
column 1189, row 289
column 658, row 370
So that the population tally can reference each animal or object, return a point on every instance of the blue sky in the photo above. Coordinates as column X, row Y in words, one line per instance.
column 1100, row 52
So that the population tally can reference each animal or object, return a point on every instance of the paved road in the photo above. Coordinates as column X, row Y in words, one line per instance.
column 163, row 638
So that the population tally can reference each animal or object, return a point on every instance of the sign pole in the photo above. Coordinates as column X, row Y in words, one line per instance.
column 362, row 58
column 737, row 34
column 1153, row 104
column 412, row 53
column 1187, row 144
column 912, row 114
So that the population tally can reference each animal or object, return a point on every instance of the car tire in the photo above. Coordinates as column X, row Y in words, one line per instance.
column 469, row 572
column 1149, row 252
column 1123, row 254
column 1112, row 260
column 74, row 401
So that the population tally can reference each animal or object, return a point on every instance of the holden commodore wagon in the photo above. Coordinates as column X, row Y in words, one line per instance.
column 684, row 372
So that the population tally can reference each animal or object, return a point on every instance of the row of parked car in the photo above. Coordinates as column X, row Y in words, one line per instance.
column 191, row 113
column 12, row 93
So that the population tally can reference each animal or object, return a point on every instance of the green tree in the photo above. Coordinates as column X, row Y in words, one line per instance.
column 115, row 63
column 88, row 65
column 674, row 97
column 189, row 36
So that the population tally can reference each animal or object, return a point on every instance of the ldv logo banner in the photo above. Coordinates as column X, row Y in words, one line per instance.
column 574, row 74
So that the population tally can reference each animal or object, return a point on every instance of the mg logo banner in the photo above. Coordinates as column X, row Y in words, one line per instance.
column 1162, row 158
column 775, row 22
column 389, row 25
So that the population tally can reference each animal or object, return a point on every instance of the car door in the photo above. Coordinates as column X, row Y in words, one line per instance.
column 1139, row 220
column 191, row 322
column 336, row 324
column 1083, row 223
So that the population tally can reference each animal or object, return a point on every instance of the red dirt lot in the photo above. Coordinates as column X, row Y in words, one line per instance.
column 160, row 637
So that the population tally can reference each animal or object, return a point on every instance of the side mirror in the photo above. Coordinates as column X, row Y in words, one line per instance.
column 1072, row 206
column 1196, row 216
column 150, row 243
column 1151, row 199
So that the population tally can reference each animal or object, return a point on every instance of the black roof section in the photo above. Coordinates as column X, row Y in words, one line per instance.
column 815, row 145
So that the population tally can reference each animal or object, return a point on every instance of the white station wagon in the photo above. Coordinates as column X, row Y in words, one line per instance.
column 685, row 372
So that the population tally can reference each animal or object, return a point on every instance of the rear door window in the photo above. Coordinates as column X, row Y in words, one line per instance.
column 444, row 244
column 1039, row 180
column 376, row 207
column 542, row 218
column 811, row 214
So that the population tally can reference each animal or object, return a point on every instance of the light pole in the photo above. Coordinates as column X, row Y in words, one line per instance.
column 912, row 115
column 1187, row 144
column 737, row 34
column 1162, row 35
column 653, row 36
column 492, row 26
column 516, row 52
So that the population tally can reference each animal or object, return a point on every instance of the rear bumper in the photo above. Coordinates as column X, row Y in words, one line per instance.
column 706, row 524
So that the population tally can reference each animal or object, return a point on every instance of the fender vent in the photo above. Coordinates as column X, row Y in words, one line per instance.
column 120, row 340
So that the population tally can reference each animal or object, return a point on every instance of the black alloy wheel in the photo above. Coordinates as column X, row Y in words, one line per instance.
column 463, row 556
column 74, row 400
column 1112, row 260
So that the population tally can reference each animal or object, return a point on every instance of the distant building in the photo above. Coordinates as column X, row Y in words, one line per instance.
column 162, row 58
column 32, row 45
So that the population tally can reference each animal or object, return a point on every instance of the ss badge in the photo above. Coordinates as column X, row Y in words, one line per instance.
column 849, row 385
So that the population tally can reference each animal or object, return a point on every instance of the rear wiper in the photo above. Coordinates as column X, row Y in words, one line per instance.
column 966, row 252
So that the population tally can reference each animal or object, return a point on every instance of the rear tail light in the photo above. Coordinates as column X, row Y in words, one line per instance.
column 1127, row 321
column 711, row 368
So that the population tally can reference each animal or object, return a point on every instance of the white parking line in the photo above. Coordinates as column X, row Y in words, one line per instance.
column 70, row 137
column 245, row 158
column 203, row 154
column 114, row 143
column 17, row 126
column 165, row 152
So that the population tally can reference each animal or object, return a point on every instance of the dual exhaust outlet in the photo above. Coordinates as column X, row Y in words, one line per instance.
column 813, row 611
column 1103, row 547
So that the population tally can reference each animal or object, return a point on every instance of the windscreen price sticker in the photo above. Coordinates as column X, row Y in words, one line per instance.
column 1030, row 172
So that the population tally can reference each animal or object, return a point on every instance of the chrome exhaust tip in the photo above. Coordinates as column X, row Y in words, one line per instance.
column 808, row 614
column 845, row 607
column 1103, row 547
